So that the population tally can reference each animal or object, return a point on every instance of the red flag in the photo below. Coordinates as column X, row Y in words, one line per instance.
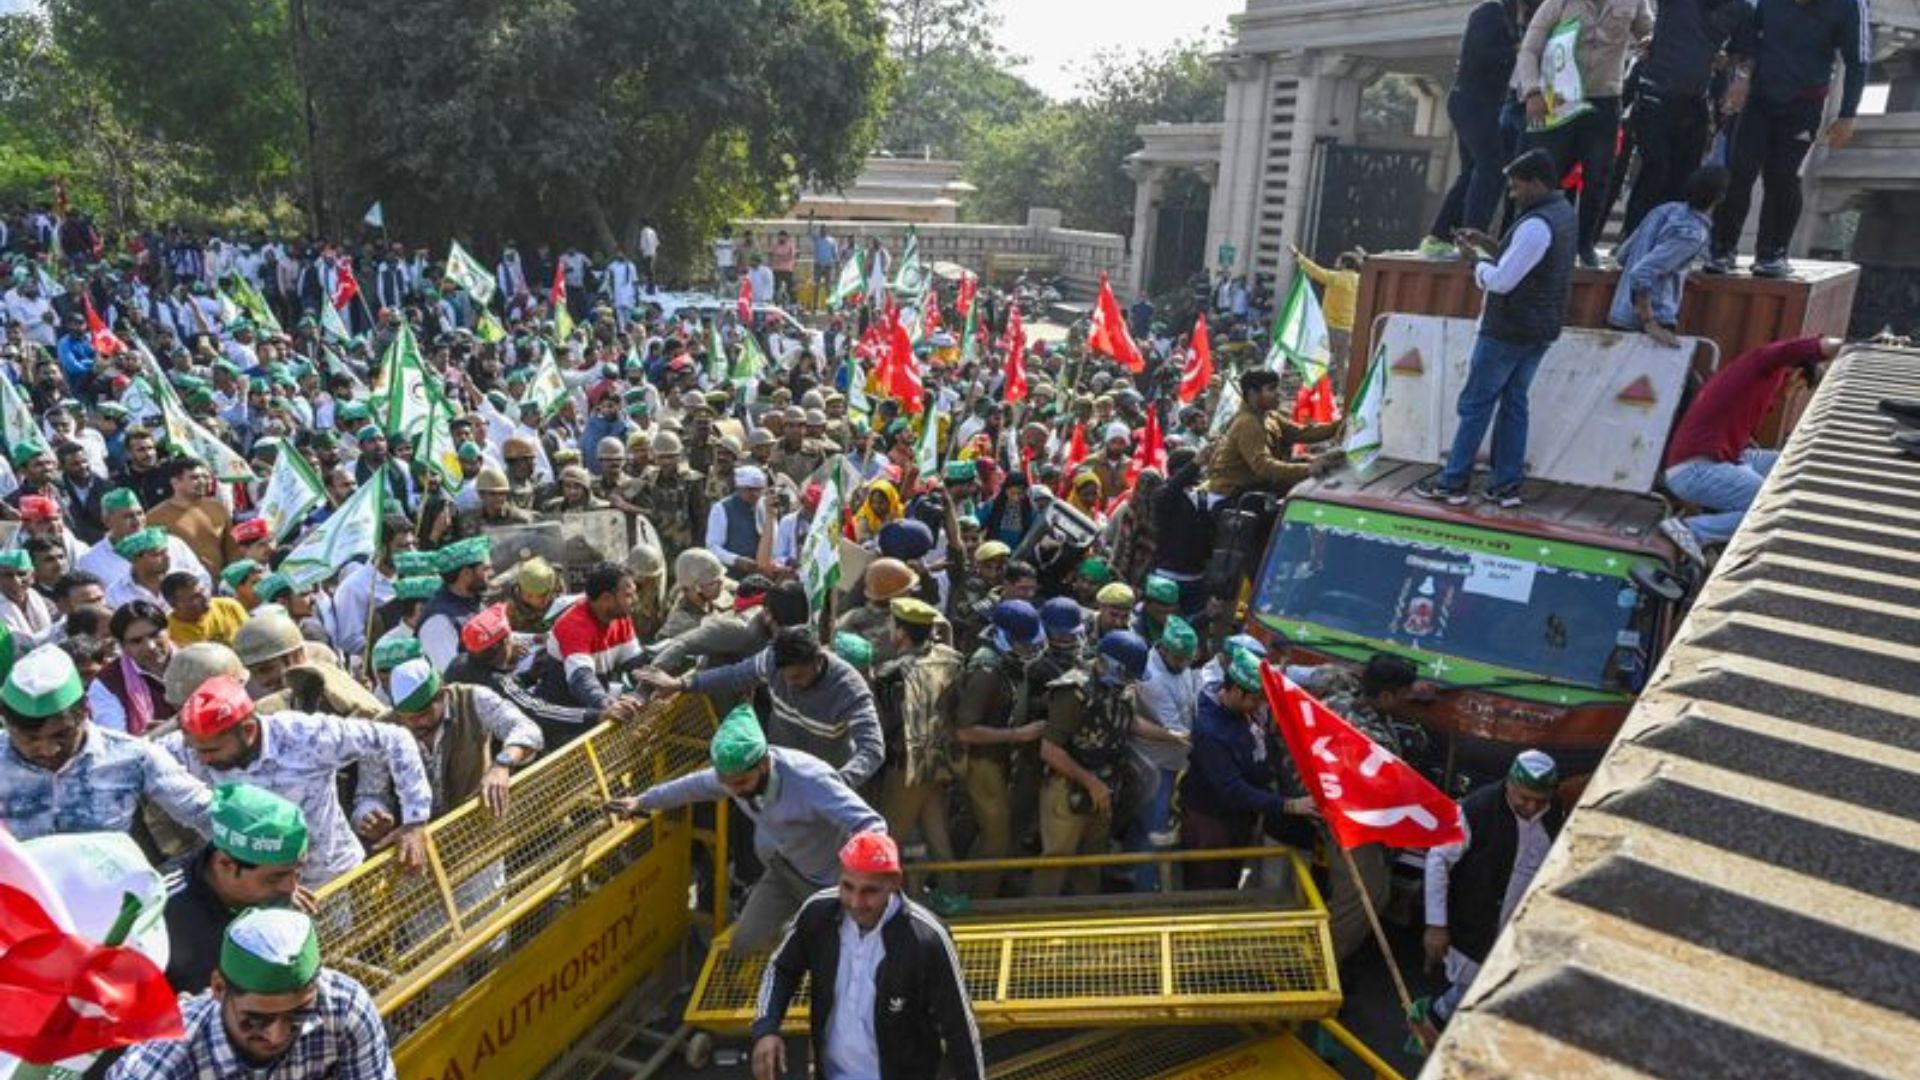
column 347, row 287
column 744, row 304
column 62, row 996
column 1365, row 794
column 1076, row 453
column 1016, row 358
column 557, row 295
column 930, row 323
column 902, row 380
column 1108, row 333
column 964, row 302
column 1198, row 374
column 105, row 342
column 1152, row 453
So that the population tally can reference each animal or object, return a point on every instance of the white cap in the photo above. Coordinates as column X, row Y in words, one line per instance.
column 409, row 678
column 748, row 476
column 1118, row 430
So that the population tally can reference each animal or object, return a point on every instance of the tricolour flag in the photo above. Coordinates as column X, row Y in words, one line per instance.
column 469, row 275
column 1300, row 337
column 853, row 279
column 292, row 492
column 1363, row 413
column 820, row 551
column 557, row 299
column 351, row 532
column 1365, row 794
column 415, row 409
column 911, row 278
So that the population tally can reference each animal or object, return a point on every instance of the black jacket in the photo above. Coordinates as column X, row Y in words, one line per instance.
column 922, row 1019
column 1478, row 884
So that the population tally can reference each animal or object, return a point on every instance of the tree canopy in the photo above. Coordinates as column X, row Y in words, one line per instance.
column 1069, row 155
column 954, row 85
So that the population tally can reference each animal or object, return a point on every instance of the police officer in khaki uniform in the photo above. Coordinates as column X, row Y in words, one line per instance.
column 796, row 457
column 496, row 505
column 886, row 579
column 671, row 498
column 520, row 454
column 719, row 482
column 915, row 693
column 1087, row 750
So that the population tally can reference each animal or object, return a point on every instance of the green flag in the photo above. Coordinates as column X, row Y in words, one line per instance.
column 926, row 453
column 852, row 281
column 332, row 325
column 820, row 551
column 469, row 274
column 254, row 304
column 1363, row 413
column 1223, row 413
column 910, row 278
column 415, row 409
column 351, row 532
column 292, row 492
column 547, row 388
column 716, row 353
column 188, row 434
column 750, row 361
column 1300, row 337
column 16, row 416
column 857, row 403
column 490, row 330
column 970, row 348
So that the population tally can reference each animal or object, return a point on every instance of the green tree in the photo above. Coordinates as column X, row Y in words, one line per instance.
column 488, row 119
column 954, row 85
column 213, row 75
column 1069, row 156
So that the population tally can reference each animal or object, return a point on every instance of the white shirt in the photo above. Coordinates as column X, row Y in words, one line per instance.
column 124, row 590
column 102, row 562
column 761, row 278
column 32, row 620
column 622, row 283
column 649, row 242
column 1525, row 248
column 787, row 538
column 852, row 1051
column 1169, row 700
column 1530, row 850
column 31, row 313
column 723, row 254
column 717, row 532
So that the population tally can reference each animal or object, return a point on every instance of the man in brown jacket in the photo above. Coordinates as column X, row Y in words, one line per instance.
column 471, row 738
column 1256, row 453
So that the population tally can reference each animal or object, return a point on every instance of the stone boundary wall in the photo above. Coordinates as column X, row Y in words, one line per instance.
column 997, row 251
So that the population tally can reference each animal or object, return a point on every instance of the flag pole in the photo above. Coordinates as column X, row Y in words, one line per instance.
column 1380, row 936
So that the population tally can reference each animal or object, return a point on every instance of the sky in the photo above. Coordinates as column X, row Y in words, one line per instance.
column 1058, row 36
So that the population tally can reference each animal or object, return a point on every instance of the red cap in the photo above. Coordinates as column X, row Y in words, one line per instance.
column 246, row 532
column 38, row 508
column 871, row 853
column 485, row 630
column 220, row 703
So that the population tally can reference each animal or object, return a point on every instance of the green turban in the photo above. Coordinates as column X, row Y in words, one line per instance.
column 1245, row 671
column 739, row 744
column 394, row 651
column 136, row 544
column 237, row 572
column 854, row 649
column 416, row 588
column 1159, row 590
column 472, row 551
column 119, row 499
column 1179, row 637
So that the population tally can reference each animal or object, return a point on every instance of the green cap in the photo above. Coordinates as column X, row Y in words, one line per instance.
column 16, row 561
column 226, row 367
column 415, row 684
column 111, row 410
column 44, row 683
column 739, row 745
column 962, row 472
column 1159, row 590
column 26, row 450
column 1536, row 771
column 1179, row 637
column 273, row 587
column 392, row 652
column 469, row 451
column 472, row 551
column 119, row 499
column 270, row 951
column 368, row 433
column 415, row 563
column 134, row 544
column 256, row 826
column 353, row 411
column 1096, row 570
column 237, row 572
column 416, row 588
column 854, row 649
column 198, row 396
column 1244, row 670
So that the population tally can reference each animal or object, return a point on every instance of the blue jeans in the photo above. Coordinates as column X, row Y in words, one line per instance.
column 1498, row 375
column 1475, row 194
column 1726, row 488
column 1155, row 814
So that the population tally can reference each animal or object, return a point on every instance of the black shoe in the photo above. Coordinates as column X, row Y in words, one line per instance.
column 1905, row 410
column 1718, row 264
column 1432, row 488
column 1772, row 266
column 1506, row 498
column 1589, row 259
column 1908, row 442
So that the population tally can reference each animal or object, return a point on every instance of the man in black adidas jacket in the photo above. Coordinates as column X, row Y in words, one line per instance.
column 889, row 1000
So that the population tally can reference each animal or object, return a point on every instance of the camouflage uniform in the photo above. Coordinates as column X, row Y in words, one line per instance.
column 476, row 522
column 798, row 464
column 993, row 693
column 914, row 693
column 875, row 624
column 1093, row 722
column 676, row 506
column 522, row 495
column 968, row 605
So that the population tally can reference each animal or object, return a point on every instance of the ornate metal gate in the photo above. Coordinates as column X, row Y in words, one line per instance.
column 1370, row 197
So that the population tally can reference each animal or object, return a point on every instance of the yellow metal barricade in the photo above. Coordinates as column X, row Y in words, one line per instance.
column 1143, row 968
column 1170, row 1054
column 526, row 927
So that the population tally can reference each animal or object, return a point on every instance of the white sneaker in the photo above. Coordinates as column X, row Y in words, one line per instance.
column 1676, row 530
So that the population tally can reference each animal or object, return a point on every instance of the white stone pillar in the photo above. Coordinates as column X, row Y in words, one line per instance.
column 1148, row 183
column 1234, row 206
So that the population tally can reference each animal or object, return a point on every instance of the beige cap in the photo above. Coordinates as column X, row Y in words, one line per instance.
column 270, row 634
